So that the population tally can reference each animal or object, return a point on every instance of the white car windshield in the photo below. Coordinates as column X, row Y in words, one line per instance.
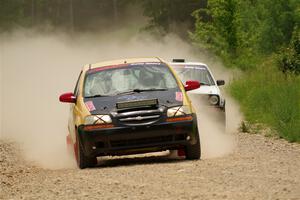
column 113, row 80
column 194, row 72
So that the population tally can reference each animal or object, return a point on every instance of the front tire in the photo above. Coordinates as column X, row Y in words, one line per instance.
column 193, row 151
column 82, row 160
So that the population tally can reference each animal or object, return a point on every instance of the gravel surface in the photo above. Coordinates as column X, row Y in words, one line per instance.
column 259, row 168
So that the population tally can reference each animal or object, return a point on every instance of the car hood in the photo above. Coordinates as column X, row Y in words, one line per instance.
column 205, row 89
column 105, row 105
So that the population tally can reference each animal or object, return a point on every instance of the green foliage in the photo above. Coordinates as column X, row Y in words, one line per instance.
column 244, row 127
column 219, row 32
column 75, row 15
column 277, row 24
column 171, row 15
column 268, row 97
column 11, row 13
column 242, row 31
column 289, row 59
column 167, row 15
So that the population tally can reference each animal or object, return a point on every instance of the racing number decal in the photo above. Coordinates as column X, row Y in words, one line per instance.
column 178, row 96
column 90, row 105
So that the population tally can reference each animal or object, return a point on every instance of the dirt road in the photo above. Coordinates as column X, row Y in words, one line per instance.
column 259, row 168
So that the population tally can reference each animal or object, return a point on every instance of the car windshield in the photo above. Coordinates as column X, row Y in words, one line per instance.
column 113, row 80
column 194, row 72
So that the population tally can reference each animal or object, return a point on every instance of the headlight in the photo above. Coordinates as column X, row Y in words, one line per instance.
column 97, row 119
column 213, row 100
column 178, row 111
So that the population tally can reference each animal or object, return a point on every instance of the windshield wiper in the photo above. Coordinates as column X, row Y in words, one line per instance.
column 96, row 95
column 152, row 89
column 141, row 90
column 202, row 83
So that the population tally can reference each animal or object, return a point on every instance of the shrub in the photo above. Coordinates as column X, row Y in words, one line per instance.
column 289, row 59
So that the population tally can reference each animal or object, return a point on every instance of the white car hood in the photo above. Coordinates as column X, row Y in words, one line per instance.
column 205, row 89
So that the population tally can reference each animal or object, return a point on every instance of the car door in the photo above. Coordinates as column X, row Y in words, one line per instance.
column 72, row 114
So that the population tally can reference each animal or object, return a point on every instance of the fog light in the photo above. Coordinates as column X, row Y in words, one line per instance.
column 214, row 100
column 188, row 137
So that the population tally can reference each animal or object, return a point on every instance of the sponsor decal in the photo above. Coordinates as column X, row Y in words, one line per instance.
column 120, row 66
column 90, row 105
column 145, row 63
column 106, row 67
column 179, row 96
column 195, row 67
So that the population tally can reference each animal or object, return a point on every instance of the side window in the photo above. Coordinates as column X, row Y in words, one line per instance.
column 76, row 90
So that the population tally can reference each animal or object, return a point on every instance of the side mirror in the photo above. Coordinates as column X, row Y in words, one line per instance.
column 67, row 98
column 191, row 85
column 220, row 82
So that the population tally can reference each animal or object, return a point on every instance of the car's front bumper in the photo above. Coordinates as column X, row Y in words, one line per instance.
column 138, row 139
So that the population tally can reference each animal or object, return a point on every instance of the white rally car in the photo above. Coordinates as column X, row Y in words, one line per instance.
column 209, row 93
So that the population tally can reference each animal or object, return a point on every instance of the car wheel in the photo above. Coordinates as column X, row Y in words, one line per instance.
column 82, row 160
column 193, row 152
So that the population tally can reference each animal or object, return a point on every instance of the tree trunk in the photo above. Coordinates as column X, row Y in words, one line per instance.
column 71, row 16
column 115, row 5
column 32, row 12
column 57, row 13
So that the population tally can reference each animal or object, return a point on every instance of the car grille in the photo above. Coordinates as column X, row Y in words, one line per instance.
column 139, row 117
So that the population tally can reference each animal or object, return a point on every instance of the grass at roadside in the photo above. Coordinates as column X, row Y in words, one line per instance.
column 267, row 96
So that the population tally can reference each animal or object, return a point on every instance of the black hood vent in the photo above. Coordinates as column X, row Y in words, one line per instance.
column 137, row 104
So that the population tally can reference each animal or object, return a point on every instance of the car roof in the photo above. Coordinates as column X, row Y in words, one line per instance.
column 122, row 61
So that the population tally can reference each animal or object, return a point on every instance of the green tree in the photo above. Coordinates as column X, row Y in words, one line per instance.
column 218, row 32
column 172, row 15
column 77, row 15
column 289, row 59
column 11, row 12
column 242, row 30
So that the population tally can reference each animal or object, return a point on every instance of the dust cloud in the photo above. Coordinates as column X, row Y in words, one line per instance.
column 36, row 68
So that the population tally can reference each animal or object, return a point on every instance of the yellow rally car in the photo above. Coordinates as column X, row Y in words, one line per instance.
column 130, row 106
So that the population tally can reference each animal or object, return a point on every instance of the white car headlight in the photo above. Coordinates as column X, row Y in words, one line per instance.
column 97, row 119
column 178, row 111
